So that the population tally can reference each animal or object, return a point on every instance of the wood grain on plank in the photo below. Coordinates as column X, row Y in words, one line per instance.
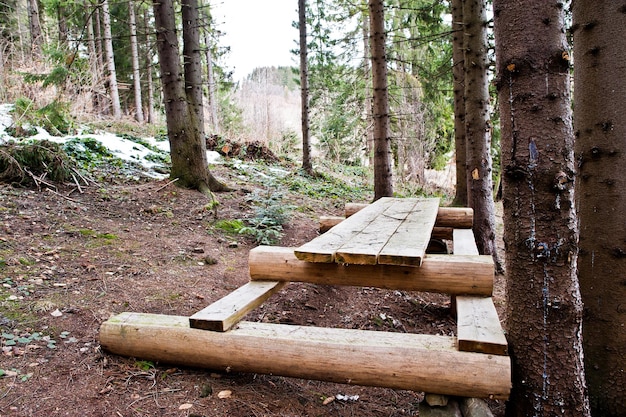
column 229, row 310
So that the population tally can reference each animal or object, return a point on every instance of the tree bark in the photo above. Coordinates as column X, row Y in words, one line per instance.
column 187, row 144
column 93, row 62
column 213, row 100
column 192, row 62
column 544, row 308
column 600, row 101
column 148, row 57
column 108, row 46
column 307, row 166
column 99, row 40
column 478, row 127
column 367, row 74
column 62, row 24
column 458, row 74
column 34, row 20
column 383, row 181
column 134, row 51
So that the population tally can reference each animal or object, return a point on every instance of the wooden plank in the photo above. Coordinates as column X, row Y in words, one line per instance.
column 364, row 247
column 395, row 360
column 408, row 244
column 478, row 326
column 463, row 242
column 445, row 274
column 228, row 311
column 323, row 248
column 327, row 222
column 459, row 217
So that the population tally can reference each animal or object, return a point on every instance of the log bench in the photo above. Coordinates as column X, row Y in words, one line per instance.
column 382, row 245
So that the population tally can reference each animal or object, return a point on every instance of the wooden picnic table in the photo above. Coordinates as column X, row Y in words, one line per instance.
column 382, row 245
column 390, row 231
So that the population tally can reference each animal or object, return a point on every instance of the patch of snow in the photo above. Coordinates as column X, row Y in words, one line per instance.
column 214, row 157
column 5, row 119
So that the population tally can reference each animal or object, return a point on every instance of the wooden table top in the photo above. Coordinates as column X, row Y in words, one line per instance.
column 390, row 231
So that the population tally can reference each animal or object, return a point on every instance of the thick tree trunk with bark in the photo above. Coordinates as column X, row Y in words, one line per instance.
column 108, row 46
column 187, row 144
column 192, row 61
column 544, row 308
column 458, row 74
column 478, row 126
column 600, row 102
column 134, row 51
column 307, row 166
column 383, row 182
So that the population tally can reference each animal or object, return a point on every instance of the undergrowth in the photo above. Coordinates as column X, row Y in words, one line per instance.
column 22, row 163
column 266, row 227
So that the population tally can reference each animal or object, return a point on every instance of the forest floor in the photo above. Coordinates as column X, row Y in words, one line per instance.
column 69, row 260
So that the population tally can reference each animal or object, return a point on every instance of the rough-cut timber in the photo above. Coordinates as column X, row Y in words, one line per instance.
column 323, row 248
column 447, row 274
column 459, row 217
column 408, row 244
column 395, row 360
column 327, row 222
column 392, row 231
column 478, row 326
column 463, row 242
column 228, row 311
column 363, row 248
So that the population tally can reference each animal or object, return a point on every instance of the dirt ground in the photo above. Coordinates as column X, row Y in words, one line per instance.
column 70, row 260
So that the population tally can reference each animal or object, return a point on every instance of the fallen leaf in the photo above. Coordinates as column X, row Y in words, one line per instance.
column 185, row 406
column 224, row 394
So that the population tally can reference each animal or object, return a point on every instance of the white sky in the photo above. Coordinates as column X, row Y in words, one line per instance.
column 259, row 33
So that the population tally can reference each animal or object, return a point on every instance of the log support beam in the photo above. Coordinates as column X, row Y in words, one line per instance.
column 395, row 360
column 444, row 274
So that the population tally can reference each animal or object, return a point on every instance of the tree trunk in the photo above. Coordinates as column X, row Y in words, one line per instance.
column 192, row 62
column 108, row 46
column 458, row 73
column 383, row 183
column 213, row 100
column 149, row 54
column 93, row 62
column 134, row 51
column 187, row 144
column 99, row 40
column 478, row 127
column 367, row 74
column 600, row 101
column 34, row 20
column 544, row 309
column 62, row 24
column 307, row 166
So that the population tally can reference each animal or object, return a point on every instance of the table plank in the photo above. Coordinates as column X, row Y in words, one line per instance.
column 228, row 311
column 364, row 247
column 463, row 242
column 478, row 326
column 323, row 248
column 407, row 246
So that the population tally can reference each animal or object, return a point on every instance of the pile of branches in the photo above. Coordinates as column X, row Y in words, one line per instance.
column 34, row 163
